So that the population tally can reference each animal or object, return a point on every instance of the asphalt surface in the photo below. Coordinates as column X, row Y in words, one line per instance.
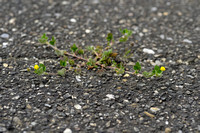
column 106, row 102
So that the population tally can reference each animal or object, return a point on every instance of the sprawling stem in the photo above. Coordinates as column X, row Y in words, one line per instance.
column 81, row 58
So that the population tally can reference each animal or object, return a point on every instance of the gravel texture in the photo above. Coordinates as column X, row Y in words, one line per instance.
column 165, row 32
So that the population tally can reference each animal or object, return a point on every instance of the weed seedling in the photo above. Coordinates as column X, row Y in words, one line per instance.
column 99, row 57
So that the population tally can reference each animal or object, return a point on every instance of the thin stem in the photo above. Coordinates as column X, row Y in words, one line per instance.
column 81, row 58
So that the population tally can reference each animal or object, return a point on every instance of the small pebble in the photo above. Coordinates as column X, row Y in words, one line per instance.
column 162, row 36
column 65, row 2
column 154, row 109
column 33, row 123
column 28, row 106
column 136, row 129
column 2, row 129
column 110, row 96
column 165, row 13
column 16, row 97
column 108, row 124
column 179, row 131
column 47, row 105
column 5, row 44
column 41, row 85
column 73, row 20
column 5, row 65
column 148, row 51
column 87, row 31
column 77, row 106
column 12, row 20
column 198, row 127
column 126, row 75
column 78, row 78
column 17, row 121
column 67, row 130
column 190, row 76
column 5, row 35
column 145, row 30
column 154, row 9
column 169, row 39
column 167, row 130
column 141, row 34
column 187, row 41
column 93, row 124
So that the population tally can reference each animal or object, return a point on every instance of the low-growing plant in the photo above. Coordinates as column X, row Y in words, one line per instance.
column 95, row 57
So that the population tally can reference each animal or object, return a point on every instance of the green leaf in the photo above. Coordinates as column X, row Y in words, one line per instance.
column 91, row 62
column 106, row 55
column 80, row 51
column 59, row 52
column 109, row 37
column 90, row 48
column 71, row 62
column 153, row 72
column 156, row 68
column 158, row 74
column 122, row 31
column 129, row 33
column 77, row 70
column 43, row 39
column 146, row 74
column 114, row 64
column 123, row 39
column 41, row 69
column 63, row 63
column 42, row 66
column 119, row 70
column 62, row 72
column 127, row 52
column 126, row 34
column 137, row 67
column 74, row 48
column 53, row 41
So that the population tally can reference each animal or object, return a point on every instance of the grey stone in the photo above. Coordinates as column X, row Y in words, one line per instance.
column 5, row 35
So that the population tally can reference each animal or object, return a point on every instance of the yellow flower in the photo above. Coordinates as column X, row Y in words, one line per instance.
column 36, row 67
column 162, row 68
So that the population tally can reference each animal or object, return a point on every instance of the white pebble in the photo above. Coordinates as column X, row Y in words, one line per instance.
column 5, row 44
column 169, row 38
column 73, row 20
column 145, row 30
column 5, row 64
column 141, row 34
column 77, row 106
column 162, row 36
column 154, row 109
column 78, row 78
column 110, row 96
column 154, row 9
column 187, row 41
column 65, row 2
column 148, row 51
column 5, row 35
column 87, row 31
column 12, row 20
column 67, row 130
